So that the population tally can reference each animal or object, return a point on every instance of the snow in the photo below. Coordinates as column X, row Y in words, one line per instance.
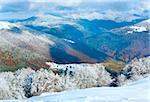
column 109, row 15
column 70, row 41
column 48, row 20
column 134, row 92
column 136, row 29
column 6, row 25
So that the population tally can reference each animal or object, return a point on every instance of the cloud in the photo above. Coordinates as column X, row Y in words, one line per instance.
column 59, row 2
column 24, row 5
column 41, row 6
column 15, row 7
column 18, row 5
column 56, row 2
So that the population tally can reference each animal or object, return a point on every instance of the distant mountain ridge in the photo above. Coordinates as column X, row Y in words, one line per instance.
column 93, row 41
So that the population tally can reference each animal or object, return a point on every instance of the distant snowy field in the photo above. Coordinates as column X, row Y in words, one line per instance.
column 133, row 92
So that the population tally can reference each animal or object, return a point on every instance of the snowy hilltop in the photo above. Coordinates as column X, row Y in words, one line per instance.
column 26, row 82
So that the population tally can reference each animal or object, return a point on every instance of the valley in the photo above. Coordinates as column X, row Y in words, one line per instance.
column 36, row 40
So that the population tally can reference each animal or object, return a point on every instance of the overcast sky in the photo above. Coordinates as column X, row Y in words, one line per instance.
column 14, row 7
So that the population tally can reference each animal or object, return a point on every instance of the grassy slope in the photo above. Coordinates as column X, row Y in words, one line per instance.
column 114, row 65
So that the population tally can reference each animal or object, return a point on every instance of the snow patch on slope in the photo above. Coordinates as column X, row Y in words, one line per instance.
column 7, row 25
column 137, row 29
column 143, row 26
column 109, row 15
column 70, row 41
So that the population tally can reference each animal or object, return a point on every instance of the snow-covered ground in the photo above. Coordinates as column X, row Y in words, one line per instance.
column 136, row 29
column 7, row 25
column 133, row 92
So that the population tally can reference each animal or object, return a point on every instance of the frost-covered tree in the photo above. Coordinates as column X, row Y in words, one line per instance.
column 14, row 85
column 61, row 77
column 84, row 75
column 46, row 81
column 27, row 82
column 24, row 79
column 5, row 82
column 136, row 69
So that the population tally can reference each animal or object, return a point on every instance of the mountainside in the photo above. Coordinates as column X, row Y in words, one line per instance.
column 61, row 39
column 21, row 46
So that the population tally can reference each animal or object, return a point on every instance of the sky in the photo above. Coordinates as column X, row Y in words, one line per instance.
column 25, row 8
